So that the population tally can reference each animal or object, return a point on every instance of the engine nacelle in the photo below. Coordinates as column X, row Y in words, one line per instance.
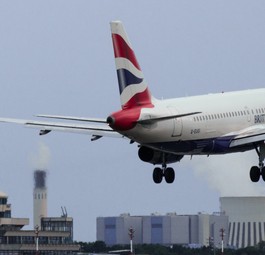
column 156, row 157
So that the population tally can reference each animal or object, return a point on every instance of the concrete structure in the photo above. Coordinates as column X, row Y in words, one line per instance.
column 115, row 230
column 58, row 224
column 168, row 229
column 39, row 197
column 6, row 222
column 55, row 234
column 196, row 230
column 246, row 220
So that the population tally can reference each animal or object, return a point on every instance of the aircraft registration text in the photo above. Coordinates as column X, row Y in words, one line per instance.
column 259, row 118
column 195, row 131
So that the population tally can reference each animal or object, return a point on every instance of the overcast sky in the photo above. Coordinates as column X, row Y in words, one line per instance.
column 56, row 57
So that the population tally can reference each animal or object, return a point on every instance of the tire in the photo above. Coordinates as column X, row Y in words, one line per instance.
column 169, row 175
column 255, row 174
column 157, row 175
column 263, row 173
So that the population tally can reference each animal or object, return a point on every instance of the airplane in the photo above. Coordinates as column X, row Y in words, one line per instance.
column 169, row 129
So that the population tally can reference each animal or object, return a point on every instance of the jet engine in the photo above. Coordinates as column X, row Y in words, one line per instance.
column 157, row 157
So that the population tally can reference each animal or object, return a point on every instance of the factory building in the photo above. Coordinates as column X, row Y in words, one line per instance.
column 246, row 220
column 192, row 230
column 114, row 230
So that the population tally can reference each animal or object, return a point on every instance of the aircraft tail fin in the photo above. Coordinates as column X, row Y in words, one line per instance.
column 132, row 85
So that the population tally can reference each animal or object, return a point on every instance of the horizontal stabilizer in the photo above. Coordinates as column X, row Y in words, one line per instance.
column 95, row 120
column 45, row 127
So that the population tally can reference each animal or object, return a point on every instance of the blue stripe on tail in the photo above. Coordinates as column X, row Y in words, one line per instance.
column 126, row 78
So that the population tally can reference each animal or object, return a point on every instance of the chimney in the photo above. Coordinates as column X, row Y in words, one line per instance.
column 39, row 197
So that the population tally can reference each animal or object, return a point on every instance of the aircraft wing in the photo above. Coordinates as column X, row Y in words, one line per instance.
column 96, row 130
column 249, row 135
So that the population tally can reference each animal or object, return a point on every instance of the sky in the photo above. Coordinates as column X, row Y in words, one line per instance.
column 56, row 57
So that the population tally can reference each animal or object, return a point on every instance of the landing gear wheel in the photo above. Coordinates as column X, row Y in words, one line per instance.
column 255, row 174
column 263, row 173
column 157, row 175
column 169, row 174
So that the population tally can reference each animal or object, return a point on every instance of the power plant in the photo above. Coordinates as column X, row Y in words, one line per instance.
column 246, row 220
column 240, row 223
column 39, row 197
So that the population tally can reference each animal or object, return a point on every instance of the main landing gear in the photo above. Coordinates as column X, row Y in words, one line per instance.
column 257, row 171
column 167, row 172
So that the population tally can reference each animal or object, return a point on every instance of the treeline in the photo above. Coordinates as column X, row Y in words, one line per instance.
column 155, row 249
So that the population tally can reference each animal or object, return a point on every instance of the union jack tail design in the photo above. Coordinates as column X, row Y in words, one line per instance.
column 133, row 87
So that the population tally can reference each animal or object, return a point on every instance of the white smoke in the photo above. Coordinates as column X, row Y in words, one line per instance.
column 229, row 174
column 41, row 158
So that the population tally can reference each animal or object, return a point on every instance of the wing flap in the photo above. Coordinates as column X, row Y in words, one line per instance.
column 250, row 135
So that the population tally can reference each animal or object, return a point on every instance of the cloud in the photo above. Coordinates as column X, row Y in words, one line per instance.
column 229, row 174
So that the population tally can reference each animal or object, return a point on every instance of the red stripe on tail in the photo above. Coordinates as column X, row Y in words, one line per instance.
column 123, row 50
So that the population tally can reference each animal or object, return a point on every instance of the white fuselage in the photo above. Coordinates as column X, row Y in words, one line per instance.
column 223, row 114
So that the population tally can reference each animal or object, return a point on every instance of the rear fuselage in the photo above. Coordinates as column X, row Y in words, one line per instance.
column 222, row 117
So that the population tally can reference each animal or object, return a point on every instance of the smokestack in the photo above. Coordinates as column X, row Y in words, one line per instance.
column 40, row 178
column 39, row 197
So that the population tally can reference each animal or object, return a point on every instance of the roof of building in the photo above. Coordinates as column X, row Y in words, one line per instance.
column 3, row 195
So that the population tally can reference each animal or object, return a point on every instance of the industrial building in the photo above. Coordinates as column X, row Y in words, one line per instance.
column 192, row 230
column 246, row 220
column 241, row 220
